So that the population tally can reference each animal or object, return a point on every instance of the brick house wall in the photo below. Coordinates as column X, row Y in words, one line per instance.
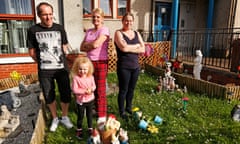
column 27, row 68
column 23, row 69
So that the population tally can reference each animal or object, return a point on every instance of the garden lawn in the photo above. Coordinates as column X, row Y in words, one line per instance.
column 206, row 120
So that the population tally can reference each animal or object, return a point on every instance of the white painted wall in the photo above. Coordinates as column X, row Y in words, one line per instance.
column 72, row 20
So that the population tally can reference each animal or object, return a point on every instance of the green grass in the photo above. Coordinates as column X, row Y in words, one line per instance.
column 206, row 120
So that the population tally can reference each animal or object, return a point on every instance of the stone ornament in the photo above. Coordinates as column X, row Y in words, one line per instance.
column 197, row 68
column 8, row 122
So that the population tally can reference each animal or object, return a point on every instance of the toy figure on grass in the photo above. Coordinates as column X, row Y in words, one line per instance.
column 109, row 133
column 168, row 82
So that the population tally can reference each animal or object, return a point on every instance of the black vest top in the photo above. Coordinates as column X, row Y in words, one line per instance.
column 127, row 59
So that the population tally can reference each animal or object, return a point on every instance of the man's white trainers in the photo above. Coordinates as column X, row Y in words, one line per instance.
column 66, row 122
column 54, row 124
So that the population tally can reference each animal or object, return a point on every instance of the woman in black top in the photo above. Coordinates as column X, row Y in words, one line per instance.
column 128, row 44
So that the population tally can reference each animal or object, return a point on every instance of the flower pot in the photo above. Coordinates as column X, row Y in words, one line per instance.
column 158, row 120
column 143, row 124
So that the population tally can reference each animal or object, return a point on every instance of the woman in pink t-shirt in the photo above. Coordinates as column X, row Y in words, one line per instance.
column 83, row 87
column 95, row 43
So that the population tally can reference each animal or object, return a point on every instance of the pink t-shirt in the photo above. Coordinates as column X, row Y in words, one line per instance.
column 101, row 52
column 79, row 86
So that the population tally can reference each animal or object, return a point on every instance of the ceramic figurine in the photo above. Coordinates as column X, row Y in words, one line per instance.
column 94, row 138
column 160, row 85
column 8, row 122
column 235, row 113
column 23, row 90
column 123, row 136
column 197, row 64
column 114, row 139
column 171, row 83
column 168, row 69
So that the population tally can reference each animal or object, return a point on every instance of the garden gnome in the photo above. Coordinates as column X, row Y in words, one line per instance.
column 94, row 138
column 197, row 64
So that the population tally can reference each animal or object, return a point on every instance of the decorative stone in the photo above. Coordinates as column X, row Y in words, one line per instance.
column 9, row 99
column 8, row 122
column 23, row 90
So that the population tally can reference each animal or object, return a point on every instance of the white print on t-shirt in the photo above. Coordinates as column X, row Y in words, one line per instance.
column 50, row 49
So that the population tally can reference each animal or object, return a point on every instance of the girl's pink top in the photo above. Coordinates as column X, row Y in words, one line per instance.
column 79, row 86
column 100, row 53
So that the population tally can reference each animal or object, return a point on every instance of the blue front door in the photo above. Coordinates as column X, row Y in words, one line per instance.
column 162, row 25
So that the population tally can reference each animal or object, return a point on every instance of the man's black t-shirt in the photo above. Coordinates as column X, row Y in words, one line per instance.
column 48, row 44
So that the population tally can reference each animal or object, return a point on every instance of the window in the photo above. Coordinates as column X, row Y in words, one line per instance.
column 16, row 7
column 120, row 7
column 106, row 6
column 123, row 7
column 16, row 16
column 87, row 7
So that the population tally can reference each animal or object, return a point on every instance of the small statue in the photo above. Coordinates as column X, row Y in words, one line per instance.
column 23, row 90
column 8, row 122
column 172, row 83
column 168, row 71
column 235, row 113
column 94, row 138
column 9, row 99
column 5, row 114
column 197, row 64
column 114, row 139
column 160, row 85
column 123, row 136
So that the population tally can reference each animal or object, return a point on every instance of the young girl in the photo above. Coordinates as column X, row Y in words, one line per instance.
column 83, row 86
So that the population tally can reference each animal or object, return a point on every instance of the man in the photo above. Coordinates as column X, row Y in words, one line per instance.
column 47, row 43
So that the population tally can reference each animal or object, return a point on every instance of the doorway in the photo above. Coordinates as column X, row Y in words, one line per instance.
column 162, row 25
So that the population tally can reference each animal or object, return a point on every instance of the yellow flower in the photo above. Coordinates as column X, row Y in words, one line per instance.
column 135, row 109
column 15, row 75
column 152, row 129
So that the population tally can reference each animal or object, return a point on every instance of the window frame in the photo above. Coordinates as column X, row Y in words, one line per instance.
column 116, row 15
column 92, row 6
column 16, row 17
column 111, row 9
column 22, row 17
column 127, row 9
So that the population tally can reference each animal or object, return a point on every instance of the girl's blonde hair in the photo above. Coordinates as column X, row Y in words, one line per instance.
column 81, row 60
column 99, row 11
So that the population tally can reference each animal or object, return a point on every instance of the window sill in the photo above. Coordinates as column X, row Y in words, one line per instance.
column 15, row 60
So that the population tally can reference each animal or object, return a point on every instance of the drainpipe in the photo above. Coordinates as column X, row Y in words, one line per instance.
column 175, row 10
column 150, row 37
column 209, row 25
column 61, row 12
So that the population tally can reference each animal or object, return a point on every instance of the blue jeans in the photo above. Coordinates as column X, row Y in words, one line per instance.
column 127, row 79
